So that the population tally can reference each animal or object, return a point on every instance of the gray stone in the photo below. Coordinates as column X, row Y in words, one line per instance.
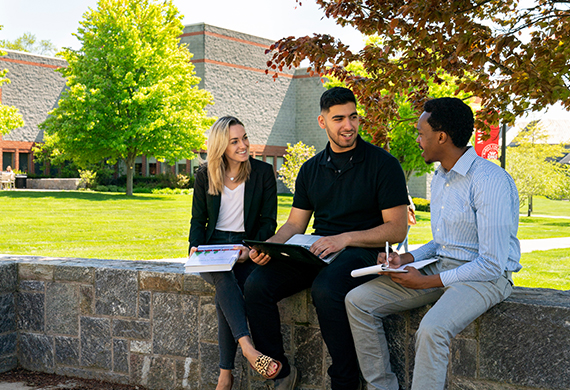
column 7, row 313
column 287, row 334
column 153, row 372
column 175, row 330
column 209, row 365
column 8, row 363
column 160, row 281
column 144, row 304
column 293, row 309
column 131, row 329
column 86, row 299
column 187, row 374
column 141, row 346
column 32, row 285
column 96, row 343
column 526, row 344
column 208, row 320
column 35, row 271
column 8, row 277
column 116, row 292
column 121, row 356
column 93, row 374
column 62, row 309
column 399, row 343
column 470, row 384
column 464, row 357
column 309, row 356
column 30, row 309
column 67, row 351
column 36, row 352
column 196, row 285
column 8, row 343
column 74, row 274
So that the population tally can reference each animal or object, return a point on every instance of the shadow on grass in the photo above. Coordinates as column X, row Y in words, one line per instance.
column 80, row 195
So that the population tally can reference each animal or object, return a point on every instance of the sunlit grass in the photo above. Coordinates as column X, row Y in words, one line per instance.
column 142, row 227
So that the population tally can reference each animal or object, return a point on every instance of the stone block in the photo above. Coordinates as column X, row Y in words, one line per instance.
column 155, row 372
column 175, row 324
column 106, row 376
column 138, row 346
column 8, row 277
column 471, row 384
column 30, row 309
column 209, row 365
column 294, row 309
column 7, row 313
column 62, row 309
column 35, row 271
column 144, row 304
column 187, row 374
column 196, row 285
column 116, row 292
column 67, row 351
column 36, row 352
column 121, row 356
column 32, row 285
column 208, row 320
column 526, row 343
column 464, row 357
column 8, row 343
column 96, row 343
column 287, row 334
column 399, row 341
column 160, row 281
column 309, row 356
column 8, row 363
column 86, row 299
column 68, row 273
column 131, row 329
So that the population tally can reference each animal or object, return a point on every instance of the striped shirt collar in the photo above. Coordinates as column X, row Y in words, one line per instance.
column 464, row 163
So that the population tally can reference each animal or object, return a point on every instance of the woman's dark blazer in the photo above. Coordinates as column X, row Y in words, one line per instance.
column 260, row 205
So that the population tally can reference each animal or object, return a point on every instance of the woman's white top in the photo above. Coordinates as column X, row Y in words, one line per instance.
column 230, row 218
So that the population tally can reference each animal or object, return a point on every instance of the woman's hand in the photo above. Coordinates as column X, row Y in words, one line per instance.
column 244, row 253
column 192, row 250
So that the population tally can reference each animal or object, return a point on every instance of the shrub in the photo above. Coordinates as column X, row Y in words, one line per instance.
column 101, row 188
column 88, row 179
column 421, row 204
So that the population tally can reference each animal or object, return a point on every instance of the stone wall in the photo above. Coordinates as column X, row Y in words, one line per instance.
column 52, row 184
column 148, row 323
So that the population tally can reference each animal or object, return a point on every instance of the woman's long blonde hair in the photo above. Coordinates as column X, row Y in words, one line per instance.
column 218, row 141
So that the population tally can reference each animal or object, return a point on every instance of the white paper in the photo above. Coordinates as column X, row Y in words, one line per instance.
column 374, row 269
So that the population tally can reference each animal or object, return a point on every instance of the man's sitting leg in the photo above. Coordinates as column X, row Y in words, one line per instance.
column 263, row 289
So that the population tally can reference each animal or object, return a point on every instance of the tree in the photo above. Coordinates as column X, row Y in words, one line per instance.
column 10, row 118
column 532, row 164
column 29, row 43
column 295, row 156
column 512, row 54
column 131, row 89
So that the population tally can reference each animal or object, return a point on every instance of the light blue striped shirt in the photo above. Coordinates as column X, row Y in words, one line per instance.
column 474, row 218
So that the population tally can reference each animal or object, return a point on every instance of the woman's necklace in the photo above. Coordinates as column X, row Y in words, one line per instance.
column 230, row 177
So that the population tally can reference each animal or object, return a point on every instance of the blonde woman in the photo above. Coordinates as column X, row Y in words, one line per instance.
column 235, row 197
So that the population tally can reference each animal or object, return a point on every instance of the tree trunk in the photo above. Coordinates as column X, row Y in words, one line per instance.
column 130, row 171
column 529, row 205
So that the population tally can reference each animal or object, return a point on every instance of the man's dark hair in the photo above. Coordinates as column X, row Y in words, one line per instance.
column 452, row 116
column 336, row 96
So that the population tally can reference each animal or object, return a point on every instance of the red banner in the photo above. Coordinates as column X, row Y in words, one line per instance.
column 488, row 149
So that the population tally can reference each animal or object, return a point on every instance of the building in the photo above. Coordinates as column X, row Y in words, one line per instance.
column 231, row 65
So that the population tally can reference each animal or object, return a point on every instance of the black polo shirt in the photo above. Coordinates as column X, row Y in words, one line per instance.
column 350, row 198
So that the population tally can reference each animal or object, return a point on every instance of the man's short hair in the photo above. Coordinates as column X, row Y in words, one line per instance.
column 452, row 116
column 336, row 96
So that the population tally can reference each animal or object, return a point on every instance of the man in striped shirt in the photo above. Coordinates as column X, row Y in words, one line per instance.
column 474, row 221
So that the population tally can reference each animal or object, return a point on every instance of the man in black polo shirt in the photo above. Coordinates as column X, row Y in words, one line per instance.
column 358, row 195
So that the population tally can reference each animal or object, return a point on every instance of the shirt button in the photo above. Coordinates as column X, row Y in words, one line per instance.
column 442, row 207
column 443, row 247
column 438, row 230
column 447, row 185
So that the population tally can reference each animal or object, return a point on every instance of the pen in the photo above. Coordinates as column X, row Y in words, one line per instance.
column 387, row 255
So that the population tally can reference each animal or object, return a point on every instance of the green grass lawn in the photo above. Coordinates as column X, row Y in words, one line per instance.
column 142, row 227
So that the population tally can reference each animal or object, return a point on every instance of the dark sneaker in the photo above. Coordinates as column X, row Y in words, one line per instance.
column 289, row 382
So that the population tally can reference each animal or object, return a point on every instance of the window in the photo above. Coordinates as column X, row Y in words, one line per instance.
column 270, row 160
column 7, row 160
column 23, row 166
column 279, row 163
